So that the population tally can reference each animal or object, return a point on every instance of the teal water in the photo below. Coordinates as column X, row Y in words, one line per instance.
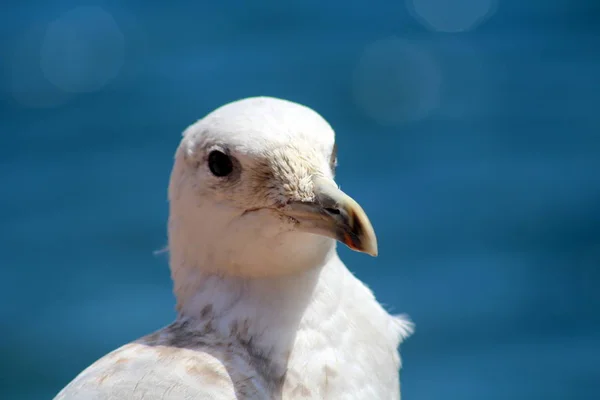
column 476, row 154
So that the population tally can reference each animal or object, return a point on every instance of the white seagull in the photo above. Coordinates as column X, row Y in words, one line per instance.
column 266, row 308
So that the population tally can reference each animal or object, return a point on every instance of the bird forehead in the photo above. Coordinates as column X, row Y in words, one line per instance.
column 257, row 125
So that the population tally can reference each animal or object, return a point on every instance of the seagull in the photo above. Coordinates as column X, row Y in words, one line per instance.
column 266, row 309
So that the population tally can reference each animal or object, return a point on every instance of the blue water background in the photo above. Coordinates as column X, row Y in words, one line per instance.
column 468, row 130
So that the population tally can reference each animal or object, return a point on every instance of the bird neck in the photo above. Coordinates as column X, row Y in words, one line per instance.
column 268, row 311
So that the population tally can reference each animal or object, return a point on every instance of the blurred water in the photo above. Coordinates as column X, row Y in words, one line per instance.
column 468, row 130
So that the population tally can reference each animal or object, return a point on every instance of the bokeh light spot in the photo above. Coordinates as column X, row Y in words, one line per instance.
column 83, row 50
column 451, row 16
column 396, row 82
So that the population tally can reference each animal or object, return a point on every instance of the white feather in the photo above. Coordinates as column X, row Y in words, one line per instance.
column 264, row 312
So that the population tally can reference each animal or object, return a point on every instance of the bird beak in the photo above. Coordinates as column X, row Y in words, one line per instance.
column 336, row 215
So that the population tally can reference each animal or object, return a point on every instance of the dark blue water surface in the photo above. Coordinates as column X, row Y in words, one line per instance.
column 469, row 131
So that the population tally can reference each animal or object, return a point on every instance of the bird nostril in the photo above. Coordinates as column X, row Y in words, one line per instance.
column 331, row 210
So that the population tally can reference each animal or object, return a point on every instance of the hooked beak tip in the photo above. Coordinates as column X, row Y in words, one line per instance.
column 361, row 236
column 336, row 215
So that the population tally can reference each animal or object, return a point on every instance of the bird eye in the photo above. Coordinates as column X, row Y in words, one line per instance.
column 219, row 163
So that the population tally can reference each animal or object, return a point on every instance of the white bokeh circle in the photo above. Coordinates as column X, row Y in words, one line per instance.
column 82, row 50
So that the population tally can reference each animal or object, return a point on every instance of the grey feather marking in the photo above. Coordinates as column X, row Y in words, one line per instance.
column 181, row 361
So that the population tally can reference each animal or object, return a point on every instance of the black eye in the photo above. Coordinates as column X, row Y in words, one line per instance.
column 219, row 163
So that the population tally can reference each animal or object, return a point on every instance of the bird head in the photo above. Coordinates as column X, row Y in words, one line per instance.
column 252, row 192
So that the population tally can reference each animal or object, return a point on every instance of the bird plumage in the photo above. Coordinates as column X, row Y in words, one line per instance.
column 249, row 327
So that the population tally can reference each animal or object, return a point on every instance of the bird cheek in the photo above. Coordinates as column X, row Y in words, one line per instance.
column 266, row 223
